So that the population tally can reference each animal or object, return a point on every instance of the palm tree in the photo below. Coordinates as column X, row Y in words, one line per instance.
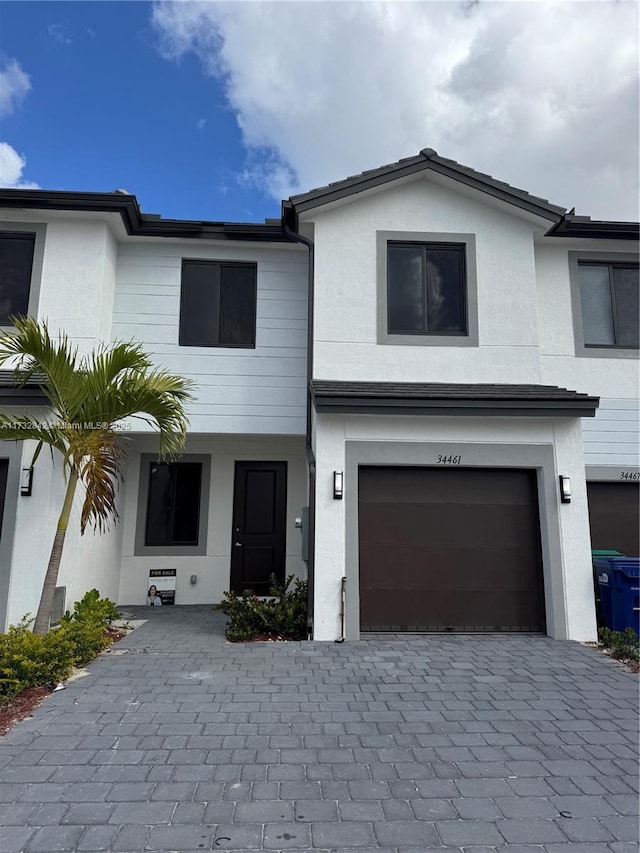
column 88, row 397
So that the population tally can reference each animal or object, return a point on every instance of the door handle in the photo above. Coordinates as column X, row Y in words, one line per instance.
column 238, row 544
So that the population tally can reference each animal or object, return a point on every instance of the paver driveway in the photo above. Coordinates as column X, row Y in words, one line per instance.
column 180, row 741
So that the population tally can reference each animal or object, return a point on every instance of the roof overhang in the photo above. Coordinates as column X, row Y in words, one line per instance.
column 583, row 227
column 432, row 398
column 426, row 161
column 137, row 223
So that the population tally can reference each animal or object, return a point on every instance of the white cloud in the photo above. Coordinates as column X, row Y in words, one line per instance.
column 544, row 96
column 59, row 33
column 11, row 167
column 14, row 86
column 201, row 123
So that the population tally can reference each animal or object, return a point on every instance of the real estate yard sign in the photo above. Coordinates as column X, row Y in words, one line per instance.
column 165, row 582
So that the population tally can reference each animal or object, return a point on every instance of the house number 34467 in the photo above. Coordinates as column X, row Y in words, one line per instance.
column 449, row 460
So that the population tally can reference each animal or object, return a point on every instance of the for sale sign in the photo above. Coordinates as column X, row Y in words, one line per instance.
column 162, row 586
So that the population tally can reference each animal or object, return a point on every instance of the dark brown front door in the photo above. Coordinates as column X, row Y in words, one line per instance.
column 454, row 549
column 258, row 544
column 4, row 469
column 614, row 517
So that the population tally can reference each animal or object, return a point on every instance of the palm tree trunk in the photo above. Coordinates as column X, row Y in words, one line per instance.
column 43, row 617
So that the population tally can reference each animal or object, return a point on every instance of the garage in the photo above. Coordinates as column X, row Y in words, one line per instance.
column 614, row 516
column 449, row 549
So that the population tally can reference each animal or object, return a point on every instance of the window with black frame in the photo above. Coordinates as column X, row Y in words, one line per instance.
column 426, row 289
column 610, row 304
column 218, row 304
column 173, row 504
column 16, row 264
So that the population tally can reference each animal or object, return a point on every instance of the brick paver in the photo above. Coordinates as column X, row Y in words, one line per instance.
column 180, row 741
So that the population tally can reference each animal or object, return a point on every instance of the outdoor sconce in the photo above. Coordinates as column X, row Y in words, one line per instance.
column 565, row 490
column 26, row 482
column 338, row 478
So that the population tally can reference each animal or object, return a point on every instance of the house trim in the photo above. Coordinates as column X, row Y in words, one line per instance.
column 199, row 550
column 470, row 339
column 539, row 457
column 581, row 350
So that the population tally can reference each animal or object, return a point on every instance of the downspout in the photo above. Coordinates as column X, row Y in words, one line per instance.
column 311, row 461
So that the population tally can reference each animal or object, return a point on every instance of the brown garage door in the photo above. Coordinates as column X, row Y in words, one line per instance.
column 449, row 550
column 614, row 517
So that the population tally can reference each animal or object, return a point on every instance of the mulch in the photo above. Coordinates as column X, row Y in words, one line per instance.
column 22, row 706
column 24, row 703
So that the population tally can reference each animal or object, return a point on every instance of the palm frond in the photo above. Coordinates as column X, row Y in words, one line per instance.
column 23, row 428
column 32, row 351
column 99, row 457
column 155, row 397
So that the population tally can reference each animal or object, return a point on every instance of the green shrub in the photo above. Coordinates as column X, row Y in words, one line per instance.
column 32, row 660
column 29, row 660
column 283, row 614
column 92, row 608
column 624, row 645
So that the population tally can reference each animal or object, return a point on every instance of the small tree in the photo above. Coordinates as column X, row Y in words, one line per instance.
column 88, row 396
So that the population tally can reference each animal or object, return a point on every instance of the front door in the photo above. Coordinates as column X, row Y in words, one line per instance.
column 258, row 544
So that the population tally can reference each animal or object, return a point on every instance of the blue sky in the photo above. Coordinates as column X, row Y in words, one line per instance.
column 106, row 110
column 217, row 110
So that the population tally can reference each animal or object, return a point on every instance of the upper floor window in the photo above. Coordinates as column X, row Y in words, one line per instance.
column 16, row 265
column 609, row 303
column 218, row 304
column 426, row 289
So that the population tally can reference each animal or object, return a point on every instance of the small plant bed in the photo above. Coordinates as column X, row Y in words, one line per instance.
column 21, row 706
column 31, row 665
column 621, row 645
column 281, row 616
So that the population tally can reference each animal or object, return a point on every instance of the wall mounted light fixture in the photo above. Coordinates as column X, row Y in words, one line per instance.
column 26, row 482
column 338, row 478
column 565, row 489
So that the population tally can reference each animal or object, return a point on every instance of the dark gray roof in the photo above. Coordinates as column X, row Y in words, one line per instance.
column 135, row 221
column 451, row 398
column 596, row 229
column 427, row 159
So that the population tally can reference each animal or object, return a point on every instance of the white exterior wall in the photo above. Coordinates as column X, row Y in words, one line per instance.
column 345, row 333
column 88, row 561
column 613, row 436
column 213, row 569
column 259, row 390
column 566, row 558
column 78, row 281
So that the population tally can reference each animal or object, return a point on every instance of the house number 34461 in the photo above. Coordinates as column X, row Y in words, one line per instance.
column 449, row 460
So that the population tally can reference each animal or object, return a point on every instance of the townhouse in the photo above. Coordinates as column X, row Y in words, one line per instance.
column 418, row 388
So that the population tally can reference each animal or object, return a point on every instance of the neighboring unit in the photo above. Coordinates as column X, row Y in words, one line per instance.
column 443, row 368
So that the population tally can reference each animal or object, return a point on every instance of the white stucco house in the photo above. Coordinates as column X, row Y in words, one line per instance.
column 442, row 368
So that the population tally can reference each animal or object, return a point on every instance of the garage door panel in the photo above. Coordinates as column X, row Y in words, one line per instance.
column 614, row 516
column 438, row 525
column 449, row 549
column 409, row 567
column 393, row 610
column 407, row 485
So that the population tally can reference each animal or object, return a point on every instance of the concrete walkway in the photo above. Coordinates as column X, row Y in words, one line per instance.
column 180, row 741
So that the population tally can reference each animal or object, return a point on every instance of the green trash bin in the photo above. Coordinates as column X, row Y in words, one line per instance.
column 595, row 553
